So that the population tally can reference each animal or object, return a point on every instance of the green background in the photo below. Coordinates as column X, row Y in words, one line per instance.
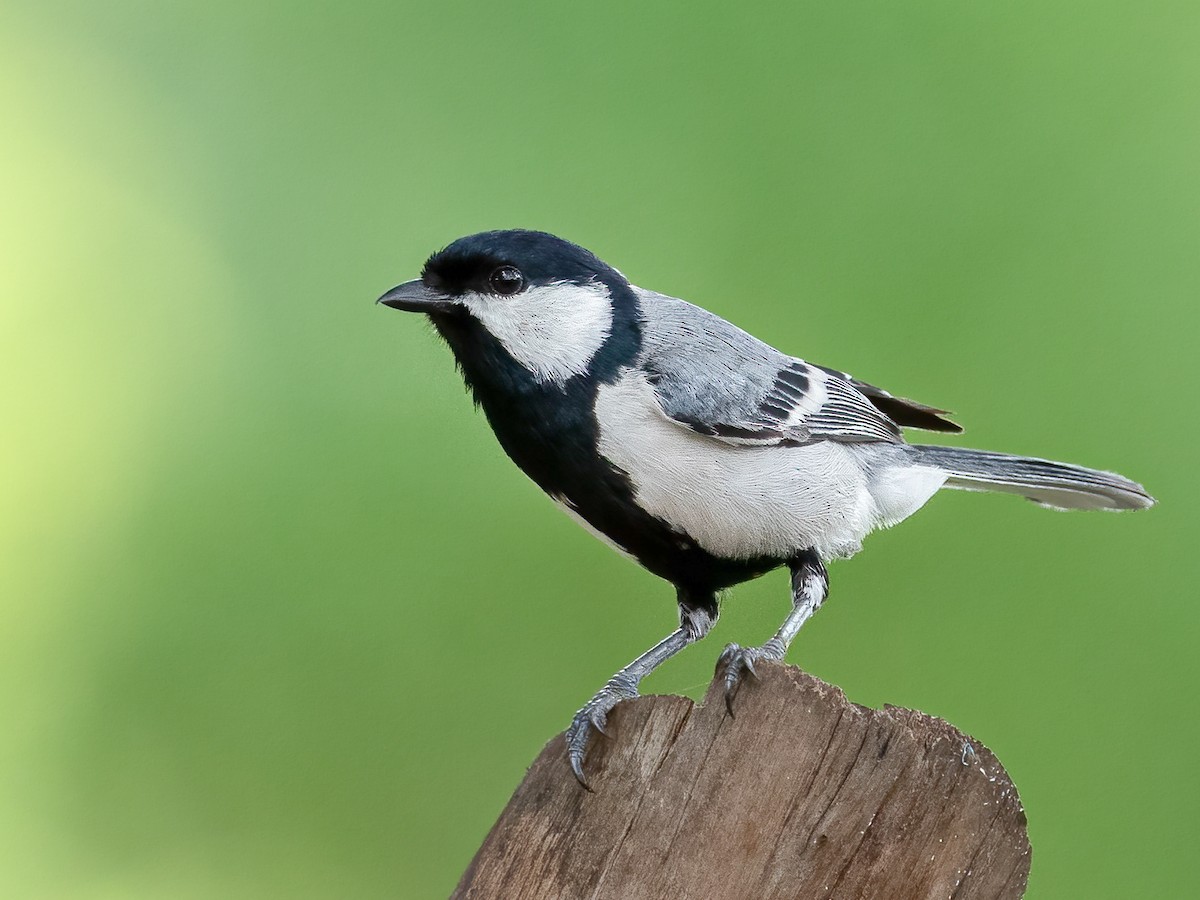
column 277, row 617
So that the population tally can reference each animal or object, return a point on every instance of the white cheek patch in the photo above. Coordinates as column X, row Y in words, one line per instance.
column 552, row 330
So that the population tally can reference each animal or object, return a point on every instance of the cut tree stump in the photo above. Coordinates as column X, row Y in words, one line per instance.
column 803, row 794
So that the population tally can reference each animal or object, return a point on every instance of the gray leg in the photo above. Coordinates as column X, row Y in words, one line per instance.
column 694, row 623
column 810, row 586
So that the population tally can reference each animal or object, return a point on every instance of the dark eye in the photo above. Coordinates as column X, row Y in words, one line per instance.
column 507, row 280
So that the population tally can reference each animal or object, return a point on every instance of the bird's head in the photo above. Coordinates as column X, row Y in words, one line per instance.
column 549, row 303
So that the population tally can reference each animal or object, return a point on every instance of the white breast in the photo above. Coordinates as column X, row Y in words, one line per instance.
column 735, row 501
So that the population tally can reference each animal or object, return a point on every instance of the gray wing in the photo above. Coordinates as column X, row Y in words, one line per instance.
column 720, row 381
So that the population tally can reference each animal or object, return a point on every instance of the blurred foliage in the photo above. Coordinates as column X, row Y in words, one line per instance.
column 279, row 619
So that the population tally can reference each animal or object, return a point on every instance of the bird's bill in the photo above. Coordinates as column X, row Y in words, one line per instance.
column 416, row 296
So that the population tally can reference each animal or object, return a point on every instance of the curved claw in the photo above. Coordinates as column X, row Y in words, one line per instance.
column 732, row 683
column 748, row 663
column 575, row 758
column 736, row 661
column 593, row 716
column 577, row 741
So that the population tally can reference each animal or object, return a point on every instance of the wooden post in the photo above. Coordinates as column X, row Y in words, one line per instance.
column 803, row 794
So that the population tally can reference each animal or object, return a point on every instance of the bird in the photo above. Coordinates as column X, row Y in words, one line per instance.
column 701, row 452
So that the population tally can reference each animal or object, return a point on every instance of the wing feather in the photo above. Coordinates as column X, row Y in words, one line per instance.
column 904, row 412
column 717, row 380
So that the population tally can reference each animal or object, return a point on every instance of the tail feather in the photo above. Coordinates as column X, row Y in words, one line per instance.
column 1055, row 484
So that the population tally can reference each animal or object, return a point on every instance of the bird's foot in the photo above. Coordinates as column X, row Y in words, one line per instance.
column 736, row 661
column 594, row 717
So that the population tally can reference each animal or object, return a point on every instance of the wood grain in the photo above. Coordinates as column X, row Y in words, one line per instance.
column 803, row 794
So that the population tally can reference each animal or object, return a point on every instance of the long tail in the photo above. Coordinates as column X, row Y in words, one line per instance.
column 1055, row 484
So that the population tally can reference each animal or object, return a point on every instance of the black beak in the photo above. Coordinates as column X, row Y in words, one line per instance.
column 415, row 296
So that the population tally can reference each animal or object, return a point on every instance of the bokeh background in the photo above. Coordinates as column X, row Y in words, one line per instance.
column 277, row 617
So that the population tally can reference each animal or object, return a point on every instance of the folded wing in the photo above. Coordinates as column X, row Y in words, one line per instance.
column 718, row 380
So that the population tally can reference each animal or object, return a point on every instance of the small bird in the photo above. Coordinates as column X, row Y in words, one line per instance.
column 706, row 455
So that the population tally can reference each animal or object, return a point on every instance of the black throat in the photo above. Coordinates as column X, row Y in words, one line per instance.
column 549, row 430
column 547, row 427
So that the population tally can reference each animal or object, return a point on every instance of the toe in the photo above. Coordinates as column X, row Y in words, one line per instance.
column 736, row 661
column 592, row 718
column 728, row 655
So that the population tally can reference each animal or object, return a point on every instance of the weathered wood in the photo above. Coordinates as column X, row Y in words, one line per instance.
column 803, row 794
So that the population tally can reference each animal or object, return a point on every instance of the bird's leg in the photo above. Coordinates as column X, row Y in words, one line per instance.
column 697, row 613
column 810, row 585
